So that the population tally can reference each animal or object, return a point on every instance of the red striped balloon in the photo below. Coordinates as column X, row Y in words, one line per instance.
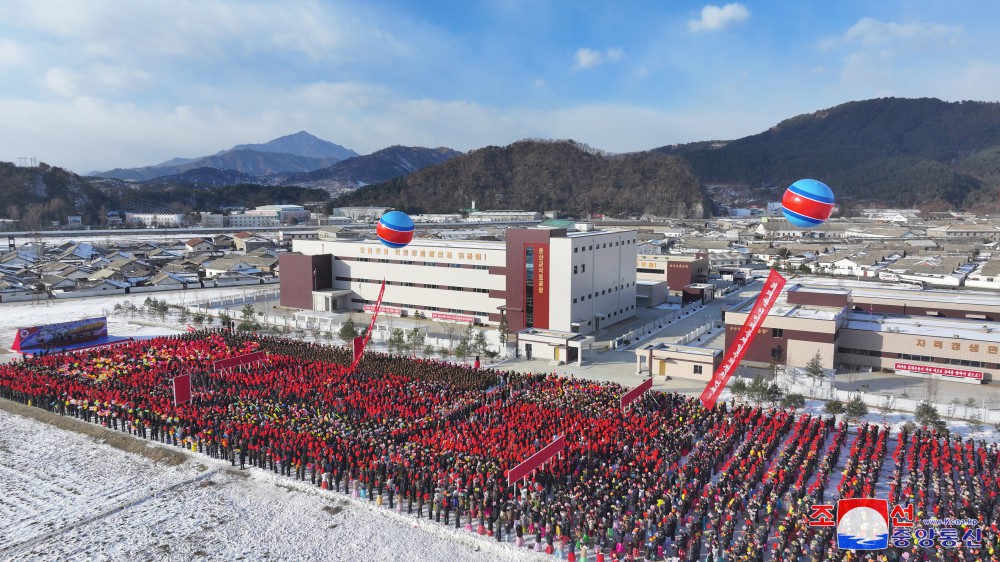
column 807, row 203
column 395, row 229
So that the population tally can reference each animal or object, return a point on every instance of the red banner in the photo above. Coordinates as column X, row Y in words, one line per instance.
column 636, row 392
column 371, row 327
column 359, row 347
column 536, row 460
column 540, row 287
column 182, row 389
column 238, row 361
column 772, row 288
column 943, row 371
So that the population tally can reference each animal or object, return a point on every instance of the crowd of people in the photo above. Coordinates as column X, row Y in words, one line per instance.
column 666, row 479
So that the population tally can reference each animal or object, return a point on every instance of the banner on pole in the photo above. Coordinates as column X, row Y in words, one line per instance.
column 359, row 346
column 368, row 334
column 182, row 389
column 635, row 393
column 536, row 460
column 238, row 361
column 772, row 288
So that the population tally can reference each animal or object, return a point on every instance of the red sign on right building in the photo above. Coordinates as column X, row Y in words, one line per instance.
column 943, row 371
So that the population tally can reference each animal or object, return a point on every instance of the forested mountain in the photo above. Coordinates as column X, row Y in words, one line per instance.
column 541, row 175
column 904, row 152
column 376, row 167
column 206, row 177
column 38, row 195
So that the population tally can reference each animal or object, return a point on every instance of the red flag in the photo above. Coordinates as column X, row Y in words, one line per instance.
column 772, row 288
column 191, row 328
column 368, row 334
column 182, row 389
column 359, row 347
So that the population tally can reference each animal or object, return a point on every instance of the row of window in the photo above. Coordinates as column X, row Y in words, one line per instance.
column 946, row 361
column 590, row 296
column 422, row 263
column 867, row 352
column 912, row 357
column 409, row 284
column 422, row 307
column 648, row 270
column 605, row 245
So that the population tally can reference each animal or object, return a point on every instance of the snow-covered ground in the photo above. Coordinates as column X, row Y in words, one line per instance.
column 68, row 496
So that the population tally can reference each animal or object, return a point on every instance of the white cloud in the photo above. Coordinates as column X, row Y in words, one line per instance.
column 869, row 31
column 587, row 58
column 61, row 81
column 210, row 30
column 714, row 18
column 96, row 134
column 95, row 80
column 12, row 53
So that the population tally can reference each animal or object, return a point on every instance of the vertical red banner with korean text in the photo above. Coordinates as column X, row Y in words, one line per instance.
column 772, row 288
column 540, row 288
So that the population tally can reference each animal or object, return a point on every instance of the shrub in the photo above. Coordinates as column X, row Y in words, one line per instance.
column 834, row 407
column 794, row 400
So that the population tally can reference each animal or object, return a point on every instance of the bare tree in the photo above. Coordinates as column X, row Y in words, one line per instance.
column 451, row 330
column 931, row 387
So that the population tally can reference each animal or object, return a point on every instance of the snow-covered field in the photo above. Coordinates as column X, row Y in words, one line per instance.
column 69, row 496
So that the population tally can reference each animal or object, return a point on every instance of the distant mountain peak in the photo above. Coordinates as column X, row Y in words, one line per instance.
column 295, row 153
column 301, row 143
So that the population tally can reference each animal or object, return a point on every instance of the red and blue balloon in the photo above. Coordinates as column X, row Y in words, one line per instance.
column 395, row 229
column 807, row 203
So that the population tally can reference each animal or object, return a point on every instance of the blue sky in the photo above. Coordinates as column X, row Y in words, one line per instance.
column 103, row 83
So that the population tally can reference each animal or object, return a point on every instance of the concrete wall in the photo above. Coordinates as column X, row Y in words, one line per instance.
column 798, row 353
column 297, row 277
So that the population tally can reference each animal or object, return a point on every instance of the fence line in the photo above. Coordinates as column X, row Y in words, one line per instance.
column 882, row 401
